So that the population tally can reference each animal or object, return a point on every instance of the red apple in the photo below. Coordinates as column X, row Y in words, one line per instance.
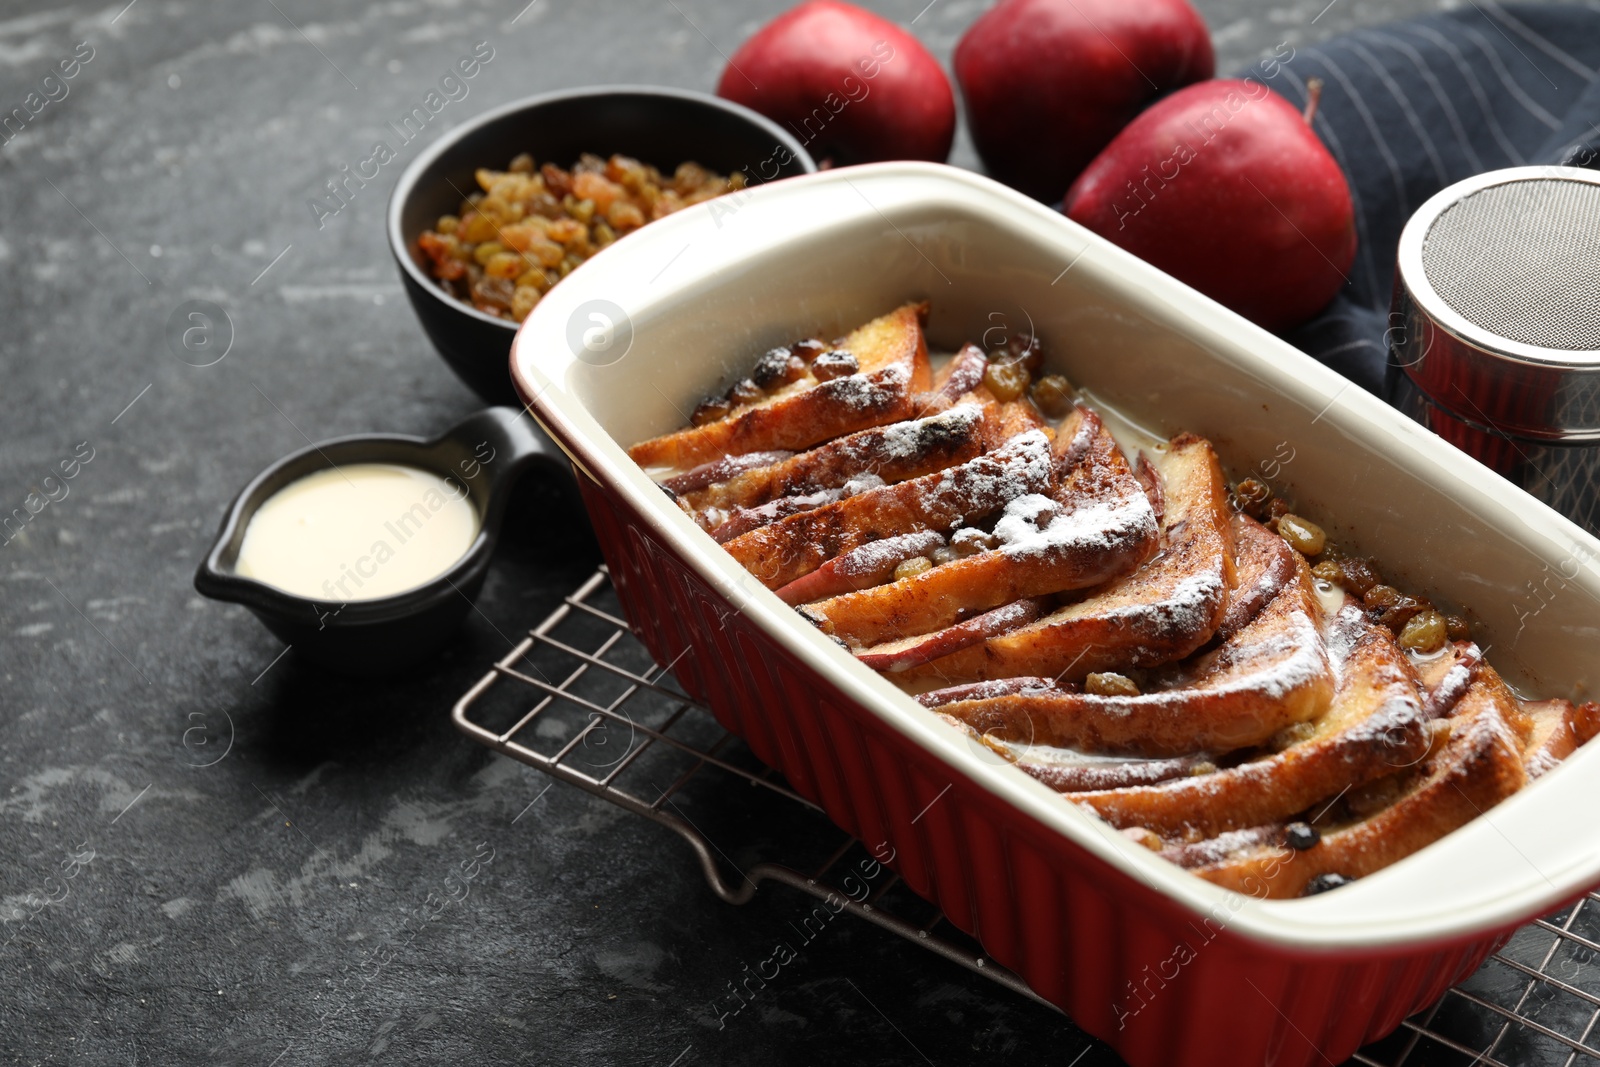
column 1224, row 185
column 853, row 87
column 1048, row 83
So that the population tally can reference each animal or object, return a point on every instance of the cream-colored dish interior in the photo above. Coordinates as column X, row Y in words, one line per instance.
column 706, row 293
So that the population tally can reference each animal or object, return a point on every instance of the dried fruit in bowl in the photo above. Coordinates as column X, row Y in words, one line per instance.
column 524, row 229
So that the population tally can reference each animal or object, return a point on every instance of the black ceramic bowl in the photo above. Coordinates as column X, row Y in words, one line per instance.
column 484, row 455
column 662, row 127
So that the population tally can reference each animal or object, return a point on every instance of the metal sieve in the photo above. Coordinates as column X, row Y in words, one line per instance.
column 1494, row 338
column 1521, row 259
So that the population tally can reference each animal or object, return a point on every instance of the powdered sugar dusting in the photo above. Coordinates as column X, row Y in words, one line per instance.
column 869, row 392
column 902, row 440
column 860, row 483
column 743, row 520
column 1034, row 525
column 1188, row 606
column 997, row 687
column 1018, row 467
column 1223, row 846
column 880, row 555
column 1269, row 666
column 1278, row 664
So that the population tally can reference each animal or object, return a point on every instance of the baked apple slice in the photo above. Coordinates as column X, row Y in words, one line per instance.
column 1096, row 523
column 683, row 486
column 1554, row 729
column 1263, row 564
column 1072, row 777
column 861, row 568
column 729, row 525
column 894, row 453
column 960, row 376
column 892, row 361
column 1375, row 726
column 779, row 553
column 1272, row 674
column 1446, row 677
column 1160, row 613
column 1477, row 767
column 908, row 652
column 1069, row 775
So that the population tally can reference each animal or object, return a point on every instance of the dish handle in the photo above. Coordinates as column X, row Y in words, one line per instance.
column 504, row 444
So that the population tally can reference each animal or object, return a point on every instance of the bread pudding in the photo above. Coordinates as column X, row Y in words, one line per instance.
column 1184, row 658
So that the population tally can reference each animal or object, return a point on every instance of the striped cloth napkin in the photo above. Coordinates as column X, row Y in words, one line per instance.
column 1411, row 107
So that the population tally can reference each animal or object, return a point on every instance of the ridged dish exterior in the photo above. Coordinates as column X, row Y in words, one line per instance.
column 1106, row 949
column 1096, row 924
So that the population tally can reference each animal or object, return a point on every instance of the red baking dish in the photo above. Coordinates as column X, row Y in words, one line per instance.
column 1168, row 969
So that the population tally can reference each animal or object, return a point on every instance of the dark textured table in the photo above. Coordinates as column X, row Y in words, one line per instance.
column 211, row 853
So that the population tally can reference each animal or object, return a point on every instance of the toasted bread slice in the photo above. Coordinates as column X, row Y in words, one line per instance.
column 893, row 361
column 901, row 451
column 743, row 520
column 1160, row 613
column 894, row 453
column 783, row 551
column 1272, row 674
column 1446, row 677
column 1263, row 564
column 684, row 486
column 1068, row 775
column 861, row 568
column 957, row 380
column 962, row 375
column 1374, row 727
column 1071, row 777
column 1548, row 734
column 1096, row 524
column 908, row 652
column 1003, row 420
column 1554, row 730
column 1479, row 766
column 998, row 687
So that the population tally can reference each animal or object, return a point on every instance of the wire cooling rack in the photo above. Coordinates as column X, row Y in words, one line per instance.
column 606, row 719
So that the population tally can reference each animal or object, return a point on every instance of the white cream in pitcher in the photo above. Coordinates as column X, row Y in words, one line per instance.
column 358, row 532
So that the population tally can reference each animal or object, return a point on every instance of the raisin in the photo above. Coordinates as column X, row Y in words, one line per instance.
column 1301, row 836
column 1425, row 631
column 1053, row 396
column 1110, row 684
column 808, row 348
column 1360, row 575
column 912, row 567
column 1025, row 351
column 1251, row 497
column 1006, row 381
column 1304, row 536
column 746, row 392
column 971, row 540
column 1395, row 618
column 1381, row 596
column 710, row 410
column 1329, row 571
column 771, row 369
column 836, row 363
column 1324, row 882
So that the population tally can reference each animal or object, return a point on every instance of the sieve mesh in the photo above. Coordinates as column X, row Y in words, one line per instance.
column 1522, row 260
